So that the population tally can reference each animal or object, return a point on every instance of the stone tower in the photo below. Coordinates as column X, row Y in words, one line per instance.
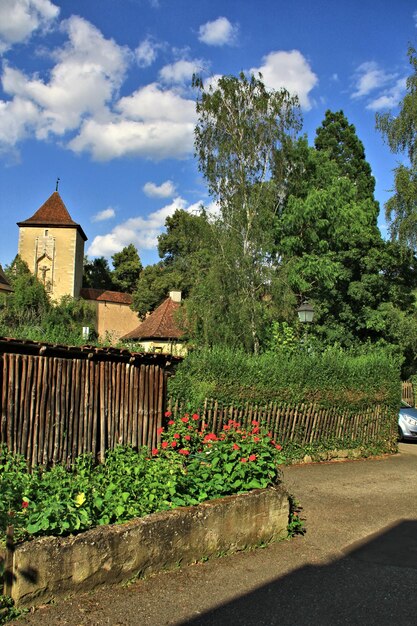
column 52, row 245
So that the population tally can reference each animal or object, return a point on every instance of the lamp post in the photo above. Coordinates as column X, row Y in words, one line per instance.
column 305, row 312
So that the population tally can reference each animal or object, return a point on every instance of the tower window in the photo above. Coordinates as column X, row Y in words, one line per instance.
column 46, row 232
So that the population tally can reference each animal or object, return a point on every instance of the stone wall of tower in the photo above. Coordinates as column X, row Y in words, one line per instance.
column 55, row 256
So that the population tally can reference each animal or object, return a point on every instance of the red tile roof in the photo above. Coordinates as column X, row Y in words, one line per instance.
column 53, row 213
column 160, row 324
column 104, row 295
column 4, row 283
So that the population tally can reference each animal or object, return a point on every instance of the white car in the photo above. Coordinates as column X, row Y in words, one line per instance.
column 407, row 423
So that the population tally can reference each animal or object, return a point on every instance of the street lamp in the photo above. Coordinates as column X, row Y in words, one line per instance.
column 305, row 312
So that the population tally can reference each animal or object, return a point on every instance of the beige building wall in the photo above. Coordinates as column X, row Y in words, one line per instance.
column 55, row 256
column 166, row 347
column 114, row 320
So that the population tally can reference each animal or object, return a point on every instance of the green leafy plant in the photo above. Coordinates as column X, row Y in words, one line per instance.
column 191, row 465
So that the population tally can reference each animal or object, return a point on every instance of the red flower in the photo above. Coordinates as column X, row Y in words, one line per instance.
column 196, row 417
column 171, row 422
column 154, row 451
column 176, row 436
column 256, row 439
column 226, row 427
column 269, row 434
column 255, row 430
column 160, row 430
column 174, row 444
column 184, row 419
column 252, row 457
column 187, row 437
column 25, row 504
column 184, row 452
column 210, row 437
column 235, row 447
column 168, row 413
column 243, row 460
column 255, row 423
column 278, row 447
column 190, row 427
column 164, row 444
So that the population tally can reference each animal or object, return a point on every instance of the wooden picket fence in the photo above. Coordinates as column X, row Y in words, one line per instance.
column 56, row 405
column 303, row 423
column 407, row 393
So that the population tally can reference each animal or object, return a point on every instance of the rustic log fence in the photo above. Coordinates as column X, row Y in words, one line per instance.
column 58, row 403
column 301, row 424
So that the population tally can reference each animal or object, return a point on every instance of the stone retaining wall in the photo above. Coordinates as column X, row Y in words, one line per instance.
column 50, row 567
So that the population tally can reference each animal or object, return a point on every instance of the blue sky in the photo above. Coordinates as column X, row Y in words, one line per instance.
column 97, row 93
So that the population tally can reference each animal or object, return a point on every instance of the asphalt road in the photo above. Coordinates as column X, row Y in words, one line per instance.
column 356, row 564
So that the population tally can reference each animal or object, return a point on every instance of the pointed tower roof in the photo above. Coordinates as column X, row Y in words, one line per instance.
column 53, row 213
column 160, row 324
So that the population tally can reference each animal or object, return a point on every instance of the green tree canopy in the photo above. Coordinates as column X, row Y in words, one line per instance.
column 400, row 132
column 127, row 268
column 240, row 127
column 97, row 273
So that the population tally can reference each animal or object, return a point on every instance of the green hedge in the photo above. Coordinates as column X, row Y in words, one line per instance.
column 349, row 380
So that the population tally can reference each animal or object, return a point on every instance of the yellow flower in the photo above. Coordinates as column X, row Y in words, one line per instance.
column 79, row 499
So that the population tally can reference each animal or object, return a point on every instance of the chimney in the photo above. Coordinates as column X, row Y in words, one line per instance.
column 175, row 296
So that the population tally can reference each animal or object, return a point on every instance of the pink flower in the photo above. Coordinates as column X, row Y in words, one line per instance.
column 171, row 422
column 174, row 444
column 187, row 437
column 196, row 417
column 278, row 447
column 243, row 460
column 160, row 430
column 168, row 413
column 235, row 447
column 184, row 452
column 154, row 451
column 176, row 436
column 184, row 419
column 164, row 444
column 252, row 457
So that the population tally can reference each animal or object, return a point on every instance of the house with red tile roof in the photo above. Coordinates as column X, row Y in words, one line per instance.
column 5, row 286
column 114, row 316
column 161, row 331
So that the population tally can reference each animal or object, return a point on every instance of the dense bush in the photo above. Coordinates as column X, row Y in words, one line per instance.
column 349, row 380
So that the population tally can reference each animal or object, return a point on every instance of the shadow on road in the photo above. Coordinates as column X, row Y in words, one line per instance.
column 374, row 583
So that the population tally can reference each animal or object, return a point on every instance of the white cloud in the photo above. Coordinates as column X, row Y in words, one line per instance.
column 106, row 214
column 181, row 71
column 89, row 71
column 152, row 123
column 218, row 33
column 20, row 18
column 152, row 103
column 17, row 120
column 142, row 231
column 391, row 98
column 290, row 70
column 146, row 52
column 165, row 190
column 368, row 77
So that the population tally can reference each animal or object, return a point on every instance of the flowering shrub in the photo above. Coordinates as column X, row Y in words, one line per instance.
column 191, row 464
